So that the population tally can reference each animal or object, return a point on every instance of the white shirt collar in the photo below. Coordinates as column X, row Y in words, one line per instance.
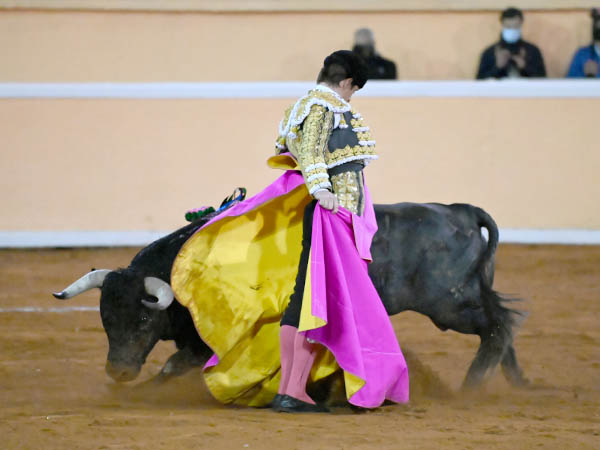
column 323, row 88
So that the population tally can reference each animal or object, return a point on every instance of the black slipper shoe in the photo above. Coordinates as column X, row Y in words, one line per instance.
column 276, row 401
column 293, row 405
column 272, row 404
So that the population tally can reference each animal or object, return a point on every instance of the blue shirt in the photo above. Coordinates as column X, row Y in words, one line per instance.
column 583, row 55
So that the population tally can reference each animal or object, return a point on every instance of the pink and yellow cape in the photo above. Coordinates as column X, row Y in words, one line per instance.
column 236, row 274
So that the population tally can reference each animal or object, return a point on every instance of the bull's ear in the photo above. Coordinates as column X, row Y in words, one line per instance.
column 159, row 289
column 90, row 280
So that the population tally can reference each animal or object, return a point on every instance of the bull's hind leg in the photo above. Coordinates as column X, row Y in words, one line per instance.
column 511, row 369
column 496, row 340
column 488, row 356
column 179, row 363
column 330, row 391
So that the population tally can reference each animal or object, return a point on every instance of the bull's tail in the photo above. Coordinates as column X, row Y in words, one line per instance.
column 486, row 269
column 487, row 262
column 497, row 339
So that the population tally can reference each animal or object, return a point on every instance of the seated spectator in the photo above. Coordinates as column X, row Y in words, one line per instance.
column 379, row 67
column 511, row 57
column 587, row 59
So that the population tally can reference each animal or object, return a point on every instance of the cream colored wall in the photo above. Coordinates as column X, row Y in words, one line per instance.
column 139, row 164
column 137, row 46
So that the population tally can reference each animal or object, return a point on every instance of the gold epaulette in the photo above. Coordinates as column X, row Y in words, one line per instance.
column 295, row 115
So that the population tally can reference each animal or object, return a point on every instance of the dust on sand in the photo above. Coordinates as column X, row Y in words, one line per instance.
column 54, row 392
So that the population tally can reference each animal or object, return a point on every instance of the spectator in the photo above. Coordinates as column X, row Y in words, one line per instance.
column 379, row 67
column 587, row 59
column 511, row 57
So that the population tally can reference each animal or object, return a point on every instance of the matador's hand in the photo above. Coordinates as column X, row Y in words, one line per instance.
column 327, row 200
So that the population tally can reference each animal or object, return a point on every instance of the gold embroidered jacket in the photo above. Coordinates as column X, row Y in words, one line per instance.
column 306, row 129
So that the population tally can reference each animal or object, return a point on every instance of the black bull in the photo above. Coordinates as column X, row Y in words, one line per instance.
column 428, row 258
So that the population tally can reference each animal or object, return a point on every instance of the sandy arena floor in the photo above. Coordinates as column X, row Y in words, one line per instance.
column 55, row 395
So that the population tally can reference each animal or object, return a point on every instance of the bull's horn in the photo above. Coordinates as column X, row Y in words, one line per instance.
column 91, row 280
column 159, row 289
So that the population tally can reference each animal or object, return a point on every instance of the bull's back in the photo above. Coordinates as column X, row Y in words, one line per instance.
column 422, row 251
column 421, row 227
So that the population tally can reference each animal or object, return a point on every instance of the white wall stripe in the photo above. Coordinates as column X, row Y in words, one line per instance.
column 489, row 88
column 67, row 239
column 61, row 239
column 569, row 237
column 292, row 89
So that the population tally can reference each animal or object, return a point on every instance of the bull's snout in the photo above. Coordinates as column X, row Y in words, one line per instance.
column 121, row 373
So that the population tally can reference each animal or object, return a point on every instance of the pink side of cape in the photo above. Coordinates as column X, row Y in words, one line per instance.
column 358, row 330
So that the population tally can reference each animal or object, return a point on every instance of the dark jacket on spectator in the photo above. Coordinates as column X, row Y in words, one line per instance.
column 583, row 55
column 381, row 68
column 534, row 62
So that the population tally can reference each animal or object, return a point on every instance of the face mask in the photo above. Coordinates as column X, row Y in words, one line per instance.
column 511, row 35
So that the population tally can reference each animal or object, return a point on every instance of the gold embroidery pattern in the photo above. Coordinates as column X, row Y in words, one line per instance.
column 348, row 188
column 346, row 154
column 329, row 99
column 358, row 152
column 280, row 144
column 305, row 131
column 296, row 114
column 311, row 152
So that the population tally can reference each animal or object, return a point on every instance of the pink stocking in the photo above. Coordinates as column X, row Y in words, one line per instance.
column 287, row 334
column 304, row 356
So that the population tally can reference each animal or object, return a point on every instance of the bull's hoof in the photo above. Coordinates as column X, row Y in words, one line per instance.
column 471, row 385
column 514, row 376
column 520, row 382
column 161, row 378
column 358, row 409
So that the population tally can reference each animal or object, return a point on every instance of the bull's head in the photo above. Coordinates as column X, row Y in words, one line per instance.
column 132, row 323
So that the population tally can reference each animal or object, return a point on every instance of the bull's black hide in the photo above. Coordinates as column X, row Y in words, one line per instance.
column 432, row 259
column 428, row 258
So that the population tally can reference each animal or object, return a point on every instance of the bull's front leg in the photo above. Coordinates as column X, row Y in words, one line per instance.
column 511, row 369
column 179, row 363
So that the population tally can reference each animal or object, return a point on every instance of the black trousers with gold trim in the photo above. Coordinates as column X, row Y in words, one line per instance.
column 349, row 189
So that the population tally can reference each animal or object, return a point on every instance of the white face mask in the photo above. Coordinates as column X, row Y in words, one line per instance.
column 511, row 35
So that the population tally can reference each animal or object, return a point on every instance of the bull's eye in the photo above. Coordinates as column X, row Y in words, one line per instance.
column 144, row 318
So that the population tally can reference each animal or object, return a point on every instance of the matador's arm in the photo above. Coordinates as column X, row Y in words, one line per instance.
column 315, row 133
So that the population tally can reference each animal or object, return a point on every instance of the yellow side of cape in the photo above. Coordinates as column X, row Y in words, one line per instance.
column 235, row 277
column 284, row 162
